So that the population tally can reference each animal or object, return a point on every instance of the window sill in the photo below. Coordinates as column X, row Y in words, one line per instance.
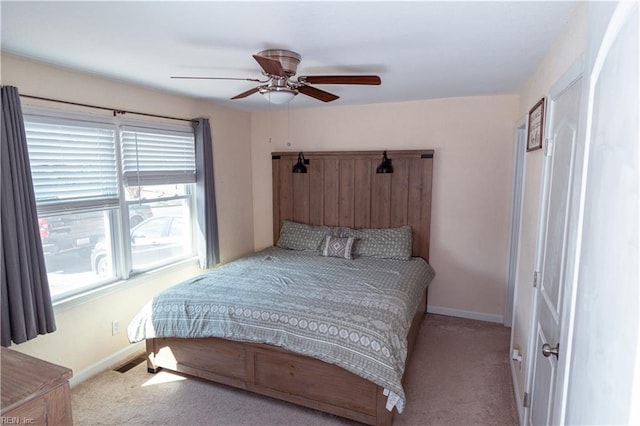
column 71, row 302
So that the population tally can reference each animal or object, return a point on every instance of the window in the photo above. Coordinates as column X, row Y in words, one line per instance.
column 114, row 198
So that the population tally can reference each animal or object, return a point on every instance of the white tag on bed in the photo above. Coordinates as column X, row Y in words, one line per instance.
column 393, row 400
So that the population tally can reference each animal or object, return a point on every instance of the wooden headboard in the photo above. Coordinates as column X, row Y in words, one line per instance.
column 342, row 188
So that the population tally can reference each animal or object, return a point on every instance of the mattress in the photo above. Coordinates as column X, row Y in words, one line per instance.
column 352, row 313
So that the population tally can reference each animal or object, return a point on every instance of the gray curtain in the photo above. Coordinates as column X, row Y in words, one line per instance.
column 206, row 217
column 26, row 309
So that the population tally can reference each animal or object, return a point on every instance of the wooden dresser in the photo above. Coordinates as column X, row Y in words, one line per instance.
column 34, row 392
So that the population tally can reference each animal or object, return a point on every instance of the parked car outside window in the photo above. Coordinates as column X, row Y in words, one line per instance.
column 153, row 241
column 78, row 233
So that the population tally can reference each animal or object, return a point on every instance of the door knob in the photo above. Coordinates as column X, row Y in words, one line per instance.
column 547, row 350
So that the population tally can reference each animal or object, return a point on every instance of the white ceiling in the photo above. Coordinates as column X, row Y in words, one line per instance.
column 421, row 50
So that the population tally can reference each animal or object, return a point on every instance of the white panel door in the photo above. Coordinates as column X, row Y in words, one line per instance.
column 562, row 131
column 604, row 371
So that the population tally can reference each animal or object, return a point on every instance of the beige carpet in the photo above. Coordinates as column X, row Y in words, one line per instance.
column 459, row 376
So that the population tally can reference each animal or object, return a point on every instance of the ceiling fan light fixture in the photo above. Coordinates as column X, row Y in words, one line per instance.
column 278, row 95
column 279, row 66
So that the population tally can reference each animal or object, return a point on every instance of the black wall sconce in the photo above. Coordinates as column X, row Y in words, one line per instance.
column 385, row 166
column 300, row 165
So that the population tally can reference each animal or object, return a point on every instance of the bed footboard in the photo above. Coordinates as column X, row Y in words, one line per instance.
column 270, row 371
column 275, row 372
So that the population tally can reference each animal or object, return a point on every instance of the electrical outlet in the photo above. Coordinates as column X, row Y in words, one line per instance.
column 115, row 328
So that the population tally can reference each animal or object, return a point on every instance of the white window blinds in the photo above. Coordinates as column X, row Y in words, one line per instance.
column 73, row 163
column 157, row 157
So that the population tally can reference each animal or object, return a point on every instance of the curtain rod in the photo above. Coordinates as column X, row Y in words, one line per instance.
column 115, row 110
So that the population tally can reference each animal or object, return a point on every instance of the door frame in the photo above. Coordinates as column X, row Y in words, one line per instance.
column 569, row 78
column 516, row 222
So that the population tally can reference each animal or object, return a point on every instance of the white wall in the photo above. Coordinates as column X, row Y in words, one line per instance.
column 567, row 48
column 83, row 338
column 472, row 138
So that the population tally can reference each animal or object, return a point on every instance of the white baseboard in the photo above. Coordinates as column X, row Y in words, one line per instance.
column 439, row 310
column 107, row 363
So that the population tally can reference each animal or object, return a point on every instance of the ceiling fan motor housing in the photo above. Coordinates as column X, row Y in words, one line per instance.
column 287, row 58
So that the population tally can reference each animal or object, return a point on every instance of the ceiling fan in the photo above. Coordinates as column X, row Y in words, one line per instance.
column 279, row 66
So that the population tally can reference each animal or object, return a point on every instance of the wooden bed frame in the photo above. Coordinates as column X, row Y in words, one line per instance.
column 340, row 189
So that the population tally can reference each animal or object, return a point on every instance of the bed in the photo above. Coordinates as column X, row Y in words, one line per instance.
column 344, row 197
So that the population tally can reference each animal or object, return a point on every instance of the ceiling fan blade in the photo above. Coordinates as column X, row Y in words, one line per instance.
column 317, row 93
column 219, row 78
column 270, row 66
column 341, row 79
column 247, row 93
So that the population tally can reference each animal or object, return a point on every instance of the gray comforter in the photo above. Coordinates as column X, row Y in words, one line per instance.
column 352, row 313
